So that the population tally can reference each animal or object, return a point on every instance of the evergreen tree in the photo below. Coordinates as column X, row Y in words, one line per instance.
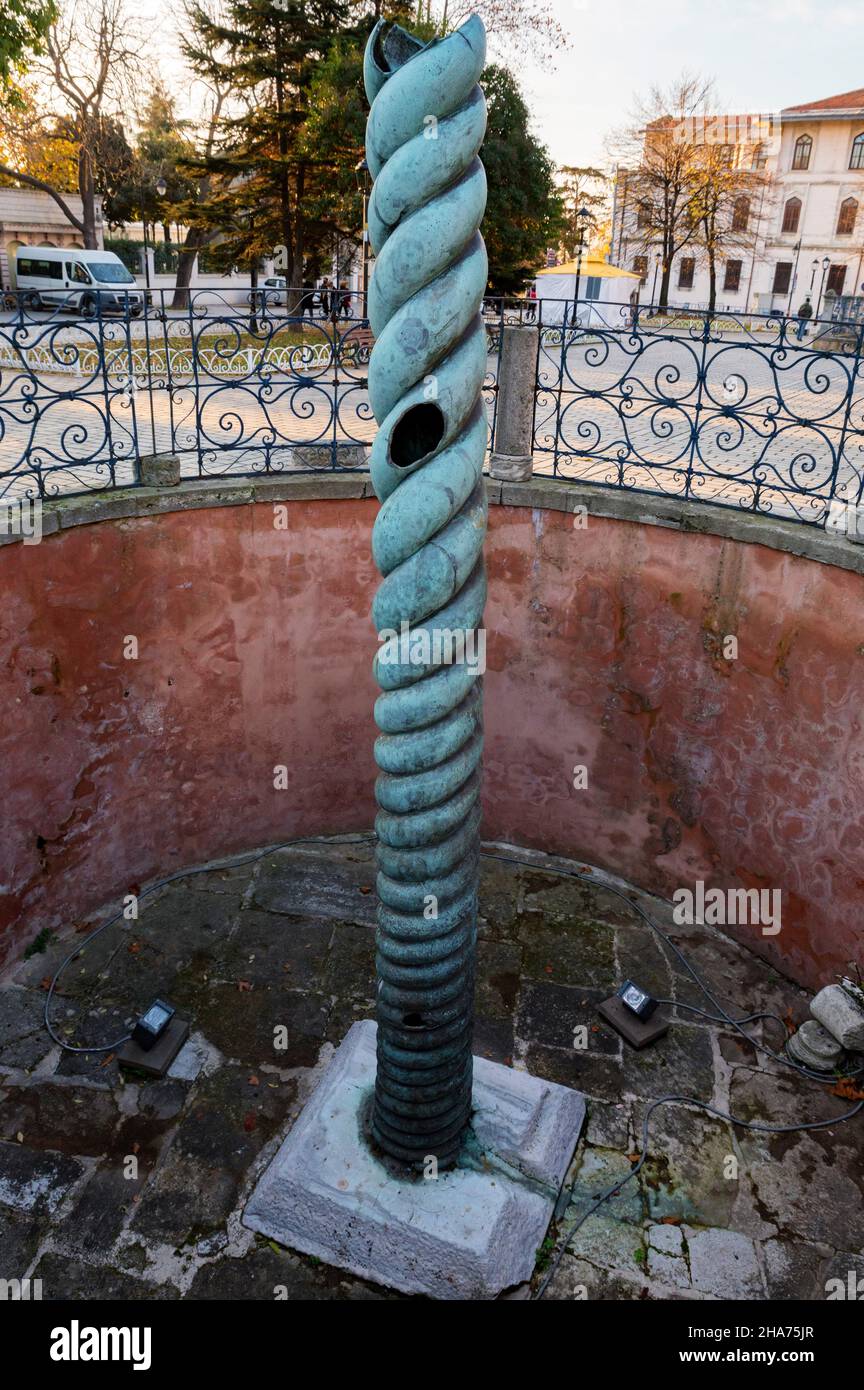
column 524, row 212
column 263, row 174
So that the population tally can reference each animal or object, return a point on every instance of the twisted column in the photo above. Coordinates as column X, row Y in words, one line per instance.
column 425, row 128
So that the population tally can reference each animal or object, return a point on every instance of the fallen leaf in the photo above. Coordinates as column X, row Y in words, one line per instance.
column 82, row 926
column 244, row 986
column 671, row 1220
column 20, row 1137
column 108, row 1059
column 253, row 1081
column 365, row 888
column 847, row 1090
column 250, row 1122
column 134, row 947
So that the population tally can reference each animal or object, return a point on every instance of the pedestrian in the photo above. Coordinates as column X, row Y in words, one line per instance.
column 805, row 314
column 307, row 304
column 345, row 299
column 531, row 309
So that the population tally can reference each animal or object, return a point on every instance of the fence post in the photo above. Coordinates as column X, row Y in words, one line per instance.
column 513, row 446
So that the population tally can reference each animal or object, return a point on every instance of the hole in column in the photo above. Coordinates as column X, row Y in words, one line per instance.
column 413, row 1021
column 420, row 430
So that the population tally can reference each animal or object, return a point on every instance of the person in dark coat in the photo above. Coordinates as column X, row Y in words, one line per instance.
column 805, row 314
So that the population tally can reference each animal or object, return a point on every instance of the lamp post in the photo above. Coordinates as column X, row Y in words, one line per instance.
column 813, row 276
column 160, row 188
column 583, row 217
column 794, row 277
column 361, row 175
column 826, row 261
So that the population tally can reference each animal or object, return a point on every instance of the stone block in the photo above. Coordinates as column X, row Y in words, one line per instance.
column 839, row 1013
column 813, row 1046
column 470, row 1232
column 160, row 470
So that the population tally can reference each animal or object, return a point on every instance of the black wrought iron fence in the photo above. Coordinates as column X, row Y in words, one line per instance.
column 753, row 411
column 760, row 412
column 236, row 382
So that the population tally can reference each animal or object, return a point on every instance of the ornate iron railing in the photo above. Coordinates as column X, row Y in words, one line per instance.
column 729, row 409
column 743, row 410
column 234, row 383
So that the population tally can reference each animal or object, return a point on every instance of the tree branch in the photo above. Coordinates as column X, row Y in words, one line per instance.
column 45, row 188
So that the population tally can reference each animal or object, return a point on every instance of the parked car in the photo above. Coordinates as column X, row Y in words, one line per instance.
column 274, row 288
column 69, row 278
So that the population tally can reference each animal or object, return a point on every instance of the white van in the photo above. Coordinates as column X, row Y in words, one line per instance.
column 68, row 278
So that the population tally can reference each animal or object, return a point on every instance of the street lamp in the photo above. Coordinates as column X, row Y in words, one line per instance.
column 813, row 276
column 361, row 175
column 794, row 279
column 583, row 217
column 825, row 264
column 160, row 188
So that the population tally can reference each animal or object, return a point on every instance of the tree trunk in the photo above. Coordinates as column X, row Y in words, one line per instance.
column 87, row 191
column 196, row 238
column 663, row 299
column 712, row 282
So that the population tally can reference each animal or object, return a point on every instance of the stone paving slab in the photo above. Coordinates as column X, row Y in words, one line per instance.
column 133, row 1188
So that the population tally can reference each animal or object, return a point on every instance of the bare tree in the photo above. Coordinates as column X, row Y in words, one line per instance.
column 663, row 168
column 88, row 77
column 728, row 192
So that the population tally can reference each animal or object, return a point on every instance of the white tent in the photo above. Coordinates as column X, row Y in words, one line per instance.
column 605, row 294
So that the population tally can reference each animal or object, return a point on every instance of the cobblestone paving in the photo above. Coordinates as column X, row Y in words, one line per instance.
column 121, row 1187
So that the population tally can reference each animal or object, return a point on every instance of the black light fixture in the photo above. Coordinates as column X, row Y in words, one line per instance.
column 152, row 1024
column 630, row 1012
column 637, row 1000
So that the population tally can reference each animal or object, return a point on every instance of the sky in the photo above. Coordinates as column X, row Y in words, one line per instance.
column 763, row 55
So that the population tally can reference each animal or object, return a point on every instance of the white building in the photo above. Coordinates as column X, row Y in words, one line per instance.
column 803, row 234
column 29, row 217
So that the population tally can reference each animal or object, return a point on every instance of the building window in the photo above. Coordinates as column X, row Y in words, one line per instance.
column 836, row 277
column 803, row 150
column 741, row 214
column 782, row 277
column 640, row 265
column 791, row 215
column 643, row 216
column 686, row 268
column 726, row 154
column 856, row 159
column 760, row 158
column 848, row 215
column 732, row 279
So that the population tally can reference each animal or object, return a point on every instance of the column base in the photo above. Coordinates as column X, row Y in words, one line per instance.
column 466, row 1234
column 511, row 468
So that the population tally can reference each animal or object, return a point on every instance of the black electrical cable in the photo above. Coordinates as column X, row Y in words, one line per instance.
column 678, row 1100
column 237, row 862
